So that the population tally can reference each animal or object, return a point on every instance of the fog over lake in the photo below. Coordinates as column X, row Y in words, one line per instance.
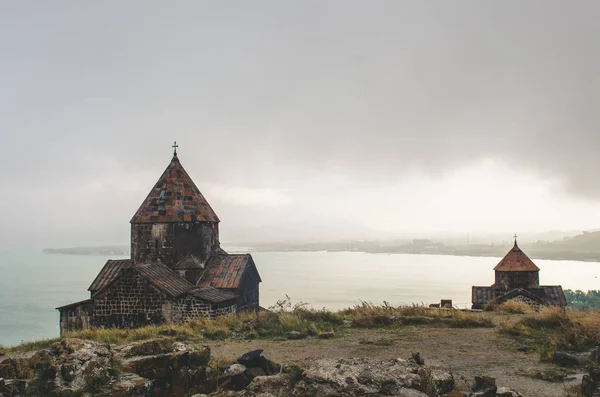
column 34, row 284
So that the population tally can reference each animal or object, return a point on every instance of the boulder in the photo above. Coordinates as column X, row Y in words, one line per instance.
column 506, row 392
column 131, row 385
column 565, row 359
column 146, row 348
column 81, row 365
column 419, row 360
column 235, row 369
column 254, row 359
column 359, row 376
column 436, row 382
column 484, row 386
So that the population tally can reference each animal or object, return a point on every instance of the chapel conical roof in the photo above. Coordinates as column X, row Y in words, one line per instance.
column 516, row 261
column 175, row 198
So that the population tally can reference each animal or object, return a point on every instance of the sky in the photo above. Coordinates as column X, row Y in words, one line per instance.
column 329, row 119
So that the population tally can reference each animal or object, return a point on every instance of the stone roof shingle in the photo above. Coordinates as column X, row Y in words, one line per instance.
column 174, row 198
column 516, row 261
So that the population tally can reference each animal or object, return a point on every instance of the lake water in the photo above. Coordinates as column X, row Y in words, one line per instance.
column 33, row 284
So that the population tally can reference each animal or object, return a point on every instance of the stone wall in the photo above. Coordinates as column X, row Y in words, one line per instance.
column 130, row 302
column 75, row 317
column 171, row 242
column 517, row 279
column 189, row 307
column 248, row 291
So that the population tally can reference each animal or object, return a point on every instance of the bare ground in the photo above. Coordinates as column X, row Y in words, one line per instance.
column 464, row 352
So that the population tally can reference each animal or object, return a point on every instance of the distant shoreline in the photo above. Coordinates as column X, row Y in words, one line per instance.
column 123, row 251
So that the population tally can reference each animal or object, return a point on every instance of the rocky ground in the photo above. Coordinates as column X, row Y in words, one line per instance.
column 465, row 352
column 163, row 367
column 452, row 362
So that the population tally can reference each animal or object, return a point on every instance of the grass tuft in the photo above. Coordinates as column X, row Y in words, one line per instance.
column 555, row 329
column 510, row 307
column 367, row 315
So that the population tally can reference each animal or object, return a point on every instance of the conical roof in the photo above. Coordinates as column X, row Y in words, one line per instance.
column 516, row 261
column 174, row 198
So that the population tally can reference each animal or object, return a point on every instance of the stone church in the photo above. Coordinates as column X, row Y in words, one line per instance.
column 518, row 278
column 177, row 269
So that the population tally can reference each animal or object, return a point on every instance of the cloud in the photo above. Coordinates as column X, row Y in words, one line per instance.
column 243, row 196
column 281, row 105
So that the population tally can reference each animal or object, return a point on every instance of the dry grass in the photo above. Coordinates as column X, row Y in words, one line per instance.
column 368, row 315
column 28, row 346
column 510, row 307
column 278, row 322
column 555, row 329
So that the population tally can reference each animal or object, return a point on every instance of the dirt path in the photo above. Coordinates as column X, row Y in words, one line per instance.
column 465, row 352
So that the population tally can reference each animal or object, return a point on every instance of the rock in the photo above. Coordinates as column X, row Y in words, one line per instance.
column 403, row 392
column 7, row 371
column 483, row 382
column 368, row 376
column 81, row 365
column 131, row 385
column 146, row 348
column 235, row 369
column 565, row 359
column 255, row 372
column 14, row 388
column 587, row 386
column 365, row 377
column 16, row 367
column 436, row 382
column 279, row 384
column 326, row 335
column 255, row 360
column 595, row 355
column 488, row 392
column 506, row 392
column 456, row 394
column 484, row 386
column 418, row 358
column 294, row 335
column 234, row 381
column 595, row 374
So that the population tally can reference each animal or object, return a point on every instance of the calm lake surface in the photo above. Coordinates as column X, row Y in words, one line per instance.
column 33, row 284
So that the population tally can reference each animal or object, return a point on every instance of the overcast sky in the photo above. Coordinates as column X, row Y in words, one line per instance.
column 393, row 116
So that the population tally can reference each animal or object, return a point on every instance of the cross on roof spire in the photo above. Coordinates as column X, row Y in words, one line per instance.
column 175, row 146
column 515, row 236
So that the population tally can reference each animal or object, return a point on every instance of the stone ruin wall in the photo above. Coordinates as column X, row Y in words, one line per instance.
column 130, row 302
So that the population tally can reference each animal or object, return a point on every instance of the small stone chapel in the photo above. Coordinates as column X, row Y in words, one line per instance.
column 177, row 268
column 518, row 278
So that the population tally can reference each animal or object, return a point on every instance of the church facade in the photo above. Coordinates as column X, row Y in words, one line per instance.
column 518, row 278
column 177, row 270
